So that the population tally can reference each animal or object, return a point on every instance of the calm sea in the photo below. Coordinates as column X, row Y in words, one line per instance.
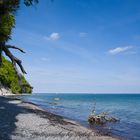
column 78, row 107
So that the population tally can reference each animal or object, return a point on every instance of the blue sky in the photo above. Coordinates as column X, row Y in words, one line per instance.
column 80, row 45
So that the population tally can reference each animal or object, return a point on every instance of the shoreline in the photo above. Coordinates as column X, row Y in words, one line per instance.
column 54, row 126
column 74, row 122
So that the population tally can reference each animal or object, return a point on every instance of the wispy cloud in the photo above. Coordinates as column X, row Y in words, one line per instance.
column 82, row 34
column 53, row 36
column 44, row 59
column 76, row 50
column 119, row 50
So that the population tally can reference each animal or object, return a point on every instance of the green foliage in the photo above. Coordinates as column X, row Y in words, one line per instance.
column 8, row 9
column 9, row 78
column 7, row 18
column 7, row 22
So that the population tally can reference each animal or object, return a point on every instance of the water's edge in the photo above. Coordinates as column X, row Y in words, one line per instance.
column 70, row 104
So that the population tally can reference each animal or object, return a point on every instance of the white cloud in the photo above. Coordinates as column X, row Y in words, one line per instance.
column 119, row 50
column 44, row 59
column 53, row 36
column 82, row 34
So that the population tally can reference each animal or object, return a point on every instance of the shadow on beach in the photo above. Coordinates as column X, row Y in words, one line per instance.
column 8, row 113
column 20, row 120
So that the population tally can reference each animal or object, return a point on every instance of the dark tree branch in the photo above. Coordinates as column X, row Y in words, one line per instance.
column 14, row 47
column 14, row 59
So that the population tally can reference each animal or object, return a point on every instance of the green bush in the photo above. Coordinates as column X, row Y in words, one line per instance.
column 9, row 79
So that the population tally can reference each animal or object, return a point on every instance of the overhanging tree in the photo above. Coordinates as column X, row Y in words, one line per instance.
column 8, row 9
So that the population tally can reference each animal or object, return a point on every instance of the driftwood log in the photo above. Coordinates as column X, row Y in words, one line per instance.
column 101, row 118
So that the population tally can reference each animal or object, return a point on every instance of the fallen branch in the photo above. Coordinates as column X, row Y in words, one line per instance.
column 101, row 118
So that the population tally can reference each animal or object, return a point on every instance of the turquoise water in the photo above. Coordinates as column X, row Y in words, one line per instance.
column 126, row 107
